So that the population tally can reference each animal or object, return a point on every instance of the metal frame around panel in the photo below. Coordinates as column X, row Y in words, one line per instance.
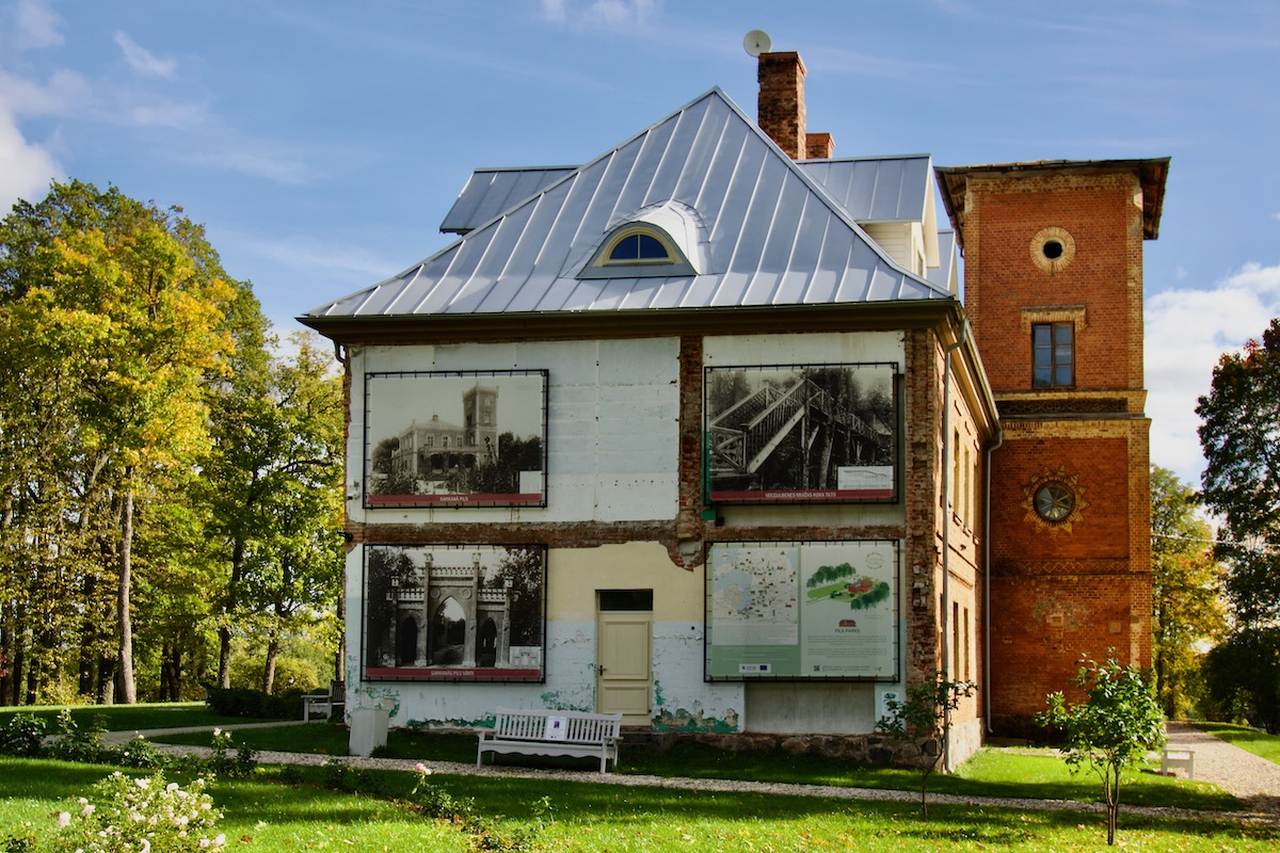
column 898, row 425
column 364, row 621
column 364, row 453
column 708, row 678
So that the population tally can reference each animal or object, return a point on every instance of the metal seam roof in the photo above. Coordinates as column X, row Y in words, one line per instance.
column 525, row 258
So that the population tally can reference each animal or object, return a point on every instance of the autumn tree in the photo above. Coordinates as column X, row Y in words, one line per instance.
column 1186, row 581
column 114, row 313
column 294, row 561
column 1240, row 436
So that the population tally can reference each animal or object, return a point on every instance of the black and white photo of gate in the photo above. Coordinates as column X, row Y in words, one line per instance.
column 460, row 438
column 801, row 433
column 454, row 613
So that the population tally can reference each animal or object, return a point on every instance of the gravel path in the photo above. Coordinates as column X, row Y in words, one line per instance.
column 732, row 786
column 1248, row 776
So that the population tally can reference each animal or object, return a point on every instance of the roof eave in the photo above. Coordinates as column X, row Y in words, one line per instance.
column 642, row 322
column 1152, row 174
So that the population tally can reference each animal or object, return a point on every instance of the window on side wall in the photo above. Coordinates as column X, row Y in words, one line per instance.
column 1053, row 361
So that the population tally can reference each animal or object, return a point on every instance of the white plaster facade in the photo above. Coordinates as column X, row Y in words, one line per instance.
column 612, row 436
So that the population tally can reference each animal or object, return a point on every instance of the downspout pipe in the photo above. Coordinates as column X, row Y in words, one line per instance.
column 986, row 584
column 947, row 509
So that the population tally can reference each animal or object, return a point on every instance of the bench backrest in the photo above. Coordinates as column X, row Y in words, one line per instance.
column 582, row 727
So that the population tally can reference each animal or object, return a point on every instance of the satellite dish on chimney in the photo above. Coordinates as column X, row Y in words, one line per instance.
column 756, row 42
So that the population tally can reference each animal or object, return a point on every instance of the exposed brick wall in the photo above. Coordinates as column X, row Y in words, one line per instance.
column 780, row 109
column 923, row 393
column 1082, row 587
column 1003, row 216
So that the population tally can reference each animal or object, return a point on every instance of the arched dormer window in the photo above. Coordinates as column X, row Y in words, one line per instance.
column 637, row 250
column 638, row 246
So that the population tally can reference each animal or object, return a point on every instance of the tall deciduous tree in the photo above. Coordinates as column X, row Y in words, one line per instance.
column 1240, row 435
column 294, row 565
column 1186, row 585
column 135, row 296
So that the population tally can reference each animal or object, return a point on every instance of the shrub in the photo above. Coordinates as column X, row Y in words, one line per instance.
column 225, row 762
column 242, row 702
column 924, row 721
column 73, row 743
column 138, row 752
column 140, row 815
column 22, row 735
column 1112, row 731
column 341, row 776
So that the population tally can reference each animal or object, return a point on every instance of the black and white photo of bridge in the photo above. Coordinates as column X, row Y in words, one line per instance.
column 802, row 432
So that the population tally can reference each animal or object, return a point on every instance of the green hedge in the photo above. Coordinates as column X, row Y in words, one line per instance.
column 242, row 702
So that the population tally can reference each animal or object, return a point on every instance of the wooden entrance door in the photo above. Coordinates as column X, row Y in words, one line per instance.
column 623, row 670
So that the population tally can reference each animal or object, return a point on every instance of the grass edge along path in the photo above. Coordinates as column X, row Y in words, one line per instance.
column 270, row 811
column 1247, row 738
column 142, row 715
column 990, row 773
column 550, row 778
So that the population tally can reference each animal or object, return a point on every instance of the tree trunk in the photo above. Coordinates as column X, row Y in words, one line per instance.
column 269, row 670
column 106, row 680
column 229, row 605
column 128, row 690
column 175, row 672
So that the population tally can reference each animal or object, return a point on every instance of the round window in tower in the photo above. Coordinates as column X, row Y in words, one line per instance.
column 1052, row 249
column 1054, row 502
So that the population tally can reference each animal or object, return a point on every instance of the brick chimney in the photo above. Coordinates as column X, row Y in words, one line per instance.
column 780, row 108
column 819, row 145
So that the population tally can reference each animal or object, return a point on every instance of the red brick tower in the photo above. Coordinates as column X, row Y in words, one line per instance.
column 1053, row 287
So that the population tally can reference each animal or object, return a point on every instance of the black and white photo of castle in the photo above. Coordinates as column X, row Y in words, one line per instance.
column 461, row 439
column 470, row 613
column 801, row 433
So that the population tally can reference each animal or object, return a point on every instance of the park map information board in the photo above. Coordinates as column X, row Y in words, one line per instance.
column 802, row 610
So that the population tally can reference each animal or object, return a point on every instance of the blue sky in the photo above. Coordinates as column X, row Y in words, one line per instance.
column 322, row 143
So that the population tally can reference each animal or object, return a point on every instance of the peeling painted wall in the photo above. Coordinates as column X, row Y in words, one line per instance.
column 612, row 419
column 680, row 701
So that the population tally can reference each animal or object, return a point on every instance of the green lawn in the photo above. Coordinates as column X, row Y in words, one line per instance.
column 274, row 816
column 992, row 772
column 1255, row 740
column 158, row 715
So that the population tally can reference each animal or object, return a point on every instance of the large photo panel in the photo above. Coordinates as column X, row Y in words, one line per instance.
column 802, row 610
column 454, row 613
column 808, row 433
column 470, row 438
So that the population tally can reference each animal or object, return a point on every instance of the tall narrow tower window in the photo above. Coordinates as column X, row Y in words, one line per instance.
column 1053, row 355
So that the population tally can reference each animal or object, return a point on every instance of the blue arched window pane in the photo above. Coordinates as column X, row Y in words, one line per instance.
column 628, row 249
column 650, row 248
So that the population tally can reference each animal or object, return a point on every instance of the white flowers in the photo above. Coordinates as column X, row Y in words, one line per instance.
column 217, row 732
column 142, row 815
column 423, row 770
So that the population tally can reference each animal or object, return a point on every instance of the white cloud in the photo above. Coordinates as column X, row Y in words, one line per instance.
column 553, row 10
column 1276, row 216
column 143, row 61
column 1187, row 329
column 317, row 256
column 25, row 167
column 607, row 14
column 255, row 159
column 36, row 25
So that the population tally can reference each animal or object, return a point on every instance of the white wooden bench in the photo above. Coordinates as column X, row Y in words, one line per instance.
column 334, row 700
column 1184, row 758
column 572, row 733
